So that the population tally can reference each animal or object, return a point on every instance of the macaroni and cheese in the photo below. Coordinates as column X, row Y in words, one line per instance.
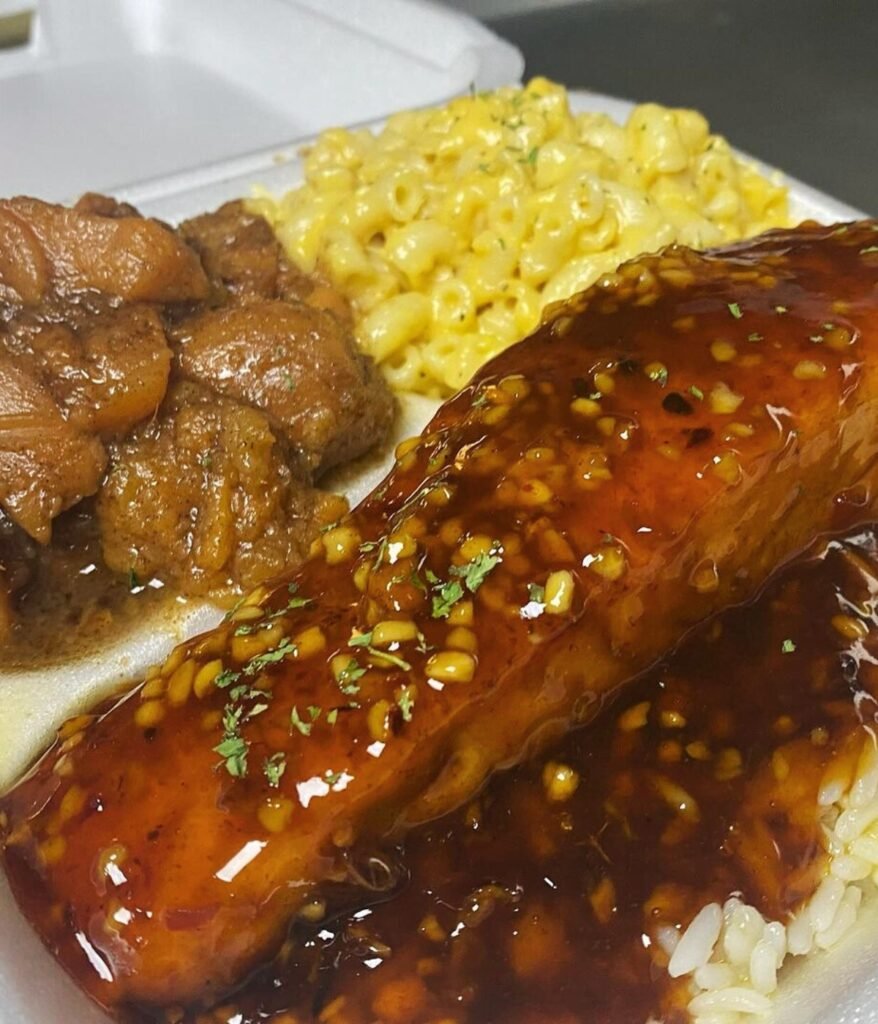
column 452, row 228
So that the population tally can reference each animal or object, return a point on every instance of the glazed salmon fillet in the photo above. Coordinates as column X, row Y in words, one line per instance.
column 649, row 456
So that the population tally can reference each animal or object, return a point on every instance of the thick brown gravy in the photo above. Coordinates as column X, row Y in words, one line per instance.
column 72, row 601
column 701, row 782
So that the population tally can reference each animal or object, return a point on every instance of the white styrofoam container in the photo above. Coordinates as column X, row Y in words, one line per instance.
column 85, row 105
column 33, row 989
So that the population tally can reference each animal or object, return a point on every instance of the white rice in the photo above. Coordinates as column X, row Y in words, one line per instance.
column 731, row 954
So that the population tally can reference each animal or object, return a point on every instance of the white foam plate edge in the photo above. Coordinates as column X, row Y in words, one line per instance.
column 33, row 990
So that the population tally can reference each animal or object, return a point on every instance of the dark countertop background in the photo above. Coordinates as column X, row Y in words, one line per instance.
column 793, row 82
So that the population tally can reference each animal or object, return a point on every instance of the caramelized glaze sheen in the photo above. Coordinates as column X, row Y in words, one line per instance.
column 647, row 458
column 523, row 909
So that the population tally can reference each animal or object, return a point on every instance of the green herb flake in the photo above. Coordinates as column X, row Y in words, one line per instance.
column 274, row 768
column 755, row 336
column 537, row 593
column 297, row 722
column 405, row 701
column 735, row 310
column 244, row 630
column 289, row 383
column 234, row 751
column 449, row 594
column 259, row 661
column 532, row 156
column 393, row 659
column 226, row 678
column 332, row 716
column 787, row 647
column 360, row 639
column 347, row 678
column 133, row 580
column 331, row 778
column 475, row 572
column 659, row 375
column 696, row 392
column 480, row 401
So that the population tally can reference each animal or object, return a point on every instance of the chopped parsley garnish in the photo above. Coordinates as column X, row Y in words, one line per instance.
column 449, row 594
column 361, row 639
column 532, row 156
column 393, row 659
column 755, row 336
column 133, row 580
column 475, row 572
column 659, row 375
column 289, row 383
column 696, row 392
column 233, row 747
column 347, row 678
column 473, row 575
column 405, row 701
column 536, row 593
column 479, row 401
column 226, row 678
column 234, row 750
column 245, row 629
column 332, row 716
column 274, row 767
column 787, row 647
column 735, row 310
column 296, row 601
column 331, row 778
column 259, row 661
column 297, row 722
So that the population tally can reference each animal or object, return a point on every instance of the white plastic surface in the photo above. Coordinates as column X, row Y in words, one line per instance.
column 836, row 988
column 114, row 91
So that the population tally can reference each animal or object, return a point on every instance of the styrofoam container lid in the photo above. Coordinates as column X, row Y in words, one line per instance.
column 112, row 91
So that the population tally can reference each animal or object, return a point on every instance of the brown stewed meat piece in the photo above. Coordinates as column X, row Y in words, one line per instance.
column 107, row 372
column 46, row 463
column 203, row 495
column 301, row 366
column 104, row 206
column 49, row 251
column 243, row 259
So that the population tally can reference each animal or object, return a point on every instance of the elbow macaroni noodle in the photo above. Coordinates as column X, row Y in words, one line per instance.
column 451, row 229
